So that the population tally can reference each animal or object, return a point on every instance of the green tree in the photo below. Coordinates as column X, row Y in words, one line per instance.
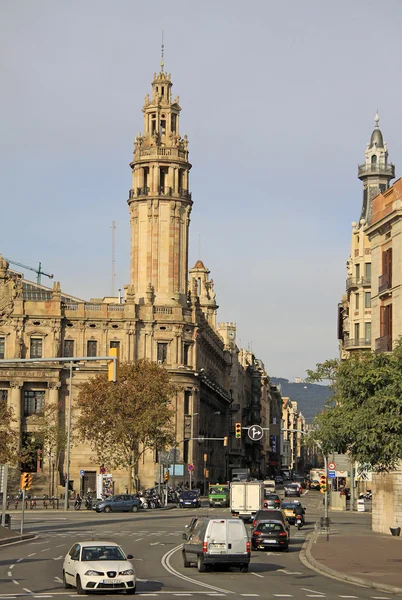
column 365, row 418
column 9, row 436
column 122, row 420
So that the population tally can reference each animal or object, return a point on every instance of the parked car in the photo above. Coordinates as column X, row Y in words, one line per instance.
column 98, row 566
column 190, row 499
column 270, row 534
column 314, row 484
column 118, row 503
column 288, row 509
column 278, row 479
column 271, row 514
column 292, row 489
column 213, row 542
column 272, row 501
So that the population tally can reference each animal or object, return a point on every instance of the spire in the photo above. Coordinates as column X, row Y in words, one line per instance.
column 377, row 119
column 162, row 55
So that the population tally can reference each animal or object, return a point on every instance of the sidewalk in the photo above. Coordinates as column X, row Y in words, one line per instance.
column 355, row 553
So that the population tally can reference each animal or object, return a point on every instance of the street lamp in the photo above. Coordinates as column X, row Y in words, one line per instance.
column 192, row 415
column 70, row 390
column 326, row 472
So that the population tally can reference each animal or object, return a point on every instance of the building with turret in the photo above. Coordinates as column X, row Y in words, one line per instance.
column 168, row 315
column 354, row 312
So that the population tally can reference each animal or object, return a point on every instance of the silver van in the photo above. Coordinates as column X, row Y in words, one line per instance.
column 212, row 542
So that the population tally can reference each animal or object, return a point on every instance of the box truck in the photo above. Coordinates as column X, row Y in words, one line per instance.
column 246, row 497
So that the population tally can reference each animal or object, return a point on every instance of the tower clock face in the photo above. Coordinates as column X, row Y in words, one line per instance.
column 231, row 335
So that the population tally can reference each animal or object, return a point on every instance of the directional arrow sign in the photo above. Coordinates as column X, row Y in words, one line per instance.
column 255, row 433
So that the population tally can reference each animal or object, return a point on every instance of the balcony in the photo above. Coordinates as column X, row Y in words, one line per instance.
column 383, row 344
column 376, row 169
column 384, row 283
column 359, row 343
column 355, row 282
column 234, row 407
column 163, row 190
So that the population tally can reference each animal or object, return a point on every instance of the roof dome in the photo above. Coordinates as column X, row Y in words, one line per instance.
column 376, row 138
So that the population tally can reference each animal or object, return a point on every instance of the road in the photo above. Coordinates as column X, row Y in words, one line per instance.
column 34, row 568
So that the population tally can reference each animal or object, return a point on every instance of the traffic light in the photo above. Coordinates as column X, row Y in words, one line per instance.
column 110, row 365
column 26, row 481
column 225, row 440
column 206, row 473
column 166, row 475
column 238, row 430
column 323, row 484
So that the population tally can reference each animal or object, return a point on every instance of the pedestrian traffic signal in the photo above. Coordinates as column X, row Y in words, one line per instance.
column 238, row 430
column 323, row 484
column 112, row 373
column 166, row 475
column 225, row 440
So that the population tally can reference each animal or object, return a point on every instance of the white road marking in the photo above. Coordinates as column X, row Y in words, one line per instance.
column 27, row 590
column 293, row 573
column 249, row 595
column 33, row 554
column 313, row 591
column 154, row 544
column 256, row 574
column 19, row 560
column 138, row 539
column 58, row 557
column 60, row 545
column 16, row 582
column 43, row 596
column 58, row 579
column 348, row 596
column 316, row 596
column 283, row 595
column 45, row 549
column 9, row 574
column 380, row 597
column 11, row 566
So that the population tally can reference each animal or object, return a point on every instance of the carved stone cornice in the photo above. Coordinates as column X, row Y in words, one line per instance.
column 15, row 384
column 53, row 385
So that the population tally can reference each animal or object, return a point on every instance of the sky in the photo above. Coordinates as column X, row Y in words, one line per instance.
column 278, row 101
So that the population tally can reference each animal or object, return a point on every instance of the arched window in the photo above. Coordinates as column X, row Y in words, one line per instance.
column 374, row 159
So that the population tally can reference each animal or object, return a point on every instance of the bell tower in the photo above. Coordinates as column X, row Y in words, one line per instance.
column 160, row 200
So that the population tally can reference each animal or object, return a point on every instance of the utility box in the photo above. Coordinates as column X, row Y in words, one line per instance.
column 360, row 505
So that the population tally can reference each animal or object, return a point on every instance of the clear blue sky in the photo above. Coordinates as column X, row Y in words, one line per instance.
column 278, row 102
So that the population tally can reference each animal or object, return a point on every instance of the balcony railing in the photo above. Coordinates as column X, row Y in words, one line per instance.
column 358, row 343
column 383, row 344
column 163, row 190
column 377, row 168
column 354, row 282
column 384, row 283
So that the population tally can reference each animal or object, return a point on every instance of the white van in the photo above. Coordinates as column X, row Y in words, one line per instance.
column 210, row 542
column 269, row 486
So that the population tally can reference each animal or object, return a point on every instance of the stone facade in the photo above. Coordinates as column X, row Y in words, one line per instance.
column 167, row 315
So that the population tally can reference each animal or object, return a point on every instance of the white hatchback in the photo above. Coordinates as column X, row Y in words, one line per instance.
column 98, row 567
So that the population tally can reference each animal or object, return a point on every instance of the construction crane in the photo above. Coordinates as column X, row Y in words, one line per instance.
column 38, row 271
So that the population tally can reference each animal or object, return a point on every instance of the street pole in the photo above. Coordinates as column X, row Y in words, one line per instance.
column 205, row 474
column 5, row 485
column 22, row 510
column 192, row 447
column 66, row 503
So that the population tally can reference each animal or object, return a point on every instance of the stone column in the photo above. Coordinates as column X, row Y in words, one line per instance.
column 16, row 405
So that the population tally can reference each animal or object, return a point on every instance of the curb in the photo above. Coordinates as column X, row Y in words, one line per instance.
column 16, row 539
column 310, row 562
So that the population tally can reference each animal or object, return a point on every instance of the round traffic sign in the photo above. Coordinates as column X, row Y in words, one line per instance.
column 82, row 472
column 255, row 433
column 190, row 467
column 331, row 466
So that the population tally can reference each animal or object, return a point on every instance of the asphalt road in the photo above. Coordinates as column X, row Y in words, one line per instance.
column 34, row 568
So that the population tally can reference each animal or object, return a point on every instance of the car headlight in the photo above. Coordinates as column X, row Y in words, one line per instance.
column 127, row 572
column 92, row 572
column 181, row 500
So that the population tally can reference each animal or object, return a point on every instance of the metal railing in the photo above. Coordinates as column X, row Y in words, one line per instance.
column 352, row 282
column 384, row 283
column 372, row 168
column 357, row 343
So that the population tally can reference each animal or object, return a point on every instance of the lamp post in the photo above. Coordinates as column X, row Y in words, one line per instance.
column 191, row 457
column 68, row 438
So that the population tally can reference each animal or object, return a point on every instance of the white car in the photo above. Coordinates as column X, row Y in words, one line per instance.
column 98, row 567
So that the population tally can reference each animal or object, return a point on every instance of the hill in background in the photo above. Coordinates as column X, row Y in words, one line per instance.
column 310, row 397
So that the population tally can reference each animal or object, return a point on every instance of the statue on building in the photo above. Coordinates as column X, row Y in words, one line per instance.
column 56, row 346
column 19, row 344
column 150, row 293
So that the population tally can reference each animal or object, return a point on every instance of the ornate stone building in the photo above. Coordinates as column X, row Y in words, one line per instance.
column 354, row 312
column 168, row 315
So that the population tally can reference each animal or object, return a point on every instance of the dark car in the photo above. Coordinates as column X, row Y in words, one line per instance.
column 272, row 501
column 270, row 534
column 292, row 489
column 271, row 514
column 118, row 503
column 190, row 499
column 278, row 479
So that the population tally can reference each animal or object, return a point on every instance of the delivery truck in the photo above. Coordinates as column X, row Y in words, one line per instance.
column 246, row 497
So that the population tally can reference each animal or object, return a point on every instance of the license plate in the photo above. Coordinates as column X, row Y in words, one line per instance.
column 217, row 545
column 111, row 581
column 269, row 541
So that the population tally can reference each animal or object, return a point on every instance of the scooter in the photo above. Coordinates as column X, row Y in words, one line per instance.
column 299, row 521
column 77, row 504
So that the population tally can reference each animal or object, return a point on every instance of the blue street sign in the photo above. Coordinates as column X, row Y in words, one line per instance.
column 82, row 472
column 332, row 474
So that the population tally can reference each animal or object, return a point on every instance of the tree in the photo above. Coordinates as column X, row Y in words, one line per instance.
column 9, row 436
column 122, row 420
column 51, row 438
column 366, row 417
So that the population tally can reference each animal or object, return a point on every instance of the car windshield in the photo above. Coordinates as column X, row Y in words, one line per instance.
column 102, row 553
column 220, row 490
column 189, row 495
column 290, row 505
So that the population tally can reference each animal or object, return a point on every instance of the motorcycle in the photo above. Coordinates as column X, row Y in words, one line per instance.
column 299, row 521
column 88, row 503
column 77, row 504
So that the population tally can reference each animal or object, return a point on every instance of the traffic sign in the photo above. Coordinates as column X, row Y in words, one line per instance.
column 255, row 433
column 331, row 466
column 190, row 467
column 82, row 472
column 332, row 474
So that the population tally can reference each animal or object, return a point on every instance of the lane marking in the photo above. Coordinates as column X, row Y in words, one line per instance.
column 165, row 561
column 154, row 543
column 283, row 595
column 11, row 566
column 313, row 591
column 9, row 574
column 257, row 575
column 16, row 582
column 27, row 590
column 45, row 549
column 19, row 560
column 348, row 596
column 316, row 596
column 58, row 557
column 33, row 554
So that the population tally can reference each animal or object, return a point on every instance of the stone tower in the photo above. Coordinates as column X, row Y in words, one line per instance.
column 160, row 201
column 376, row 172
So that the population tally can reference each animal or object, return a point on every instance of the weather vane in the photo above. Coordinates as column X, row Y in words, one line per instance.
column 162, row 54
